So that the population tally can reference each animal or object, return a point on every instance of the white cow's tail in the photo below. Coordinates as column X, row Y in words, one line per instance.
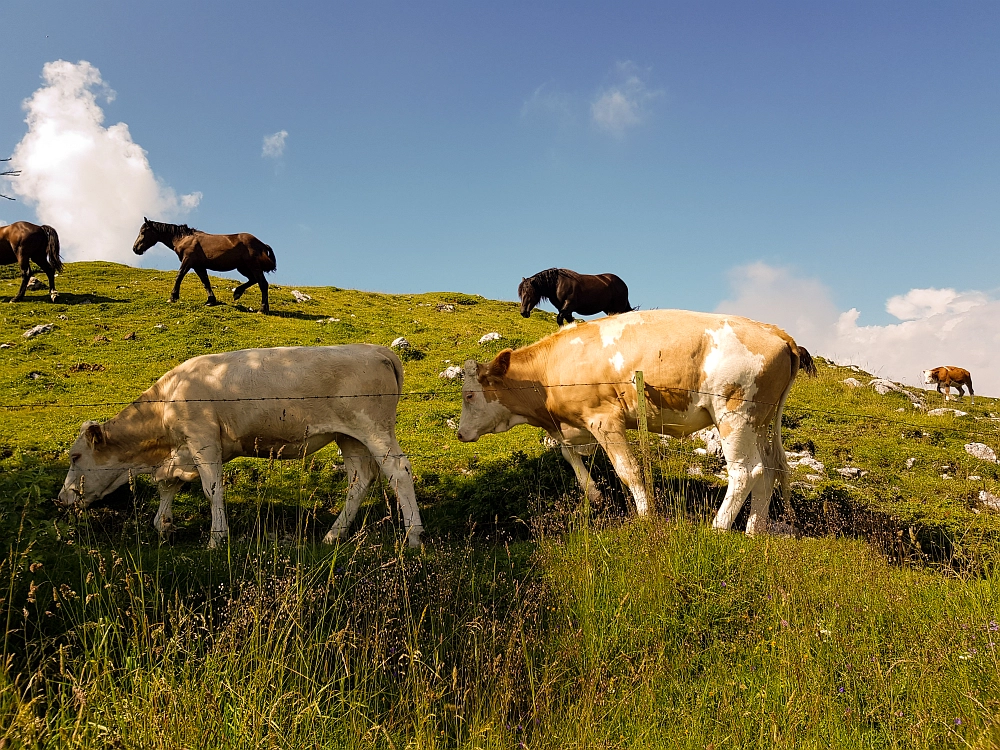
column 397, row 367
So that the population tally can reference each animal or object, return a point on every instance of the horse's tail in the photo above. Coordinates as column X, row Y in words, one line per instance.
column 52, row 251
column 806, row 362
column 271, row 263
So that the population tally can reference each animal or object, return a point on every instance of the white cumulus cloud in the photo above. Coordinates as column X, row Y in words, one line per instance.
column 938, row 326
column 624, row 104
column 274, row 145
column 92, row 183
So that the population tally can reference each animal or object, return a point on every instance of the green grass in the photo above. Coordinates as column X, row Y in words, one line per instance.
column 529, row 619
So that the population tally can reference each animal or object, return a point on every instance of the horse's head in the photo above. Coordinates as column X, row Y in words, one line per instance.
column 148, row 236
column 530, row 296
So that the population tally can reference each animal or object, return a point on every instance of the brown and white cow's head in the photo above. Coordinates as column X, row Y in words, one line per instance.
column 94, row 468
column 929, row 378
column 482, row 411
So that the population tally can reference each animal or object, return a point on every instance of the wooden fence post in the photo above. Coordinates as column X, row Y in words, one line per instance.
column 647, row 469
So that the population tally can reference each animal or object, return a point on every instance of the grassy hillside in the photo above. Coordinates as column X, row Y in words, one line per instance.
column 529, row 619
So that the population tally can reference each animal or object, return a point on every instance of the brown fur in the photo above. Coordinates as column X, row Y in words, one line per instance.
column 202, row 252
column 948, row 377
column 23, row 242
column 573, row 292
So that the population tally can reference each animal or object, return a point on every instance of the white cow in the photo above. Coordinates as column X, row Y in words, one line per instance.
column 284, row 403
column 699, row 369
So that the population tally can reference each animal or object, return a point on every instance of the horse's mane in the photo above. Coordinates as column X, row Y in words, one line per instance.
column 546, row 280
column 172, row 230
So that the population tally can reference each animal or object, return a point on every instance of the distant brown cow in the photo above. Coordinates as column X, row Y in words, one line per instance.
column 950, row 377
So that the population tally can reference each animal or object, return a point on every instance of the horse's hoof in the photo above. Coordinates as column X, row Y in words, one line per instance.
column 53, row 296
column 265, row 310
column 212, row 302
column 174, row 299
column 237, row 293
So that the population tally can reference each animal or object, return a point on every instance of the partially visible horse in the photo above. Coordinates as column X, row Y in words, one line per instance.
column 203, row 252
column 22, row 242
column 573, row 292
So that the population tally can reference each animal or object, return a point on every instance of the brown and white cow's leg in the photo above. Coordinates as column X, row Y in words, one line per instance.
column 615, row 444
column 361, row 470
column 396, row 467
column 164, row 519
column 745, row 470
column 761, row 490
column 586, row 482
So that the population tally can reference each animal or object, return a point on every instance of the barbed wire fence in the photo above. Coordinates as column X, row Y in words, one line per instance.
column 671, row 463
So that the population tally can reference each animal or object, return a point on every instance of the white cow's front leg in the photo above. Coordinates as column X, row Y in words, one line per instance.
column 586, row 482
column 361, row 470
column 164, row 519
column 209, row 463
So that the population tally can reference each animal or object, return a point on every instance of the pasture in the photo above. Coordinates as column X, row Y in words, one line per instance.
column 529, row 619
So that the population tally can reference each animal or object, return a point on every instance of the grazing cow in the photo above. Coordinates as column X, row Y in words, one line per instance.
column 699, row 369
column 283, row 403
column 948, row 378
column 573, row 292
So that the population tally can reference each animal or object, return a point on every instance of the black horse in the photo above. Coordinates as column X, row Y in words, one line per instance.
column 203, row 252
column 573, row 292
column 23, row 242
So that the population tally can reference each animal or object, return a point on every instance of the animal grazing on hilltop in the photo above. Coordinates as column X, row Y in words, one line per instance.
column 282, row 403
column 948, row 378
column 22, row 242
column 699, row 369
column 806, row 363
column 573, row 292
column 203, row 252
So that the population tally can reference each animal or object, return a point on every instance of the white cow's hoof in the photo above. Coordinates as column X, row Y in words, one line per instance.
column 333, row 536
column 217, row 539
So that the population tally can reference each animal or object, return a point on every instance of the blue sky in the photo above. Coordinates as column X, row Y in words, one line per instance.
column 460, row 146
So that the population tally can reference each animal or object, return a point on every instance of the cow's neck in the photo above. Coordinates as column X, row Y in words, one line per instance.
column 523, row 393
column 137, row 433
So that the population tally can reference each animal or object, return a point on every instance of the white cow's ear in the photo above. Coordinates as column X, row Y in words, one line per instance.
column 500, row 364
column 94, row 434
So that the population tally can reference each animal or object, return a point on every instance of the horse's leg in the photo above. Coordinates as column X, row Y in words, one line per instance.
column 251, row 280
column 176, row 293
column 25, row 276
column 51, row 273
column 262, row 283
column 566, row 313
column 203, row 275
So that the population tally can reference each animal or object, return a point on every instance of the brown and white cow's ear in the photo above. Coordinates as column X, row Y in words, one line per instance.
column 470, row 369
column 94, row 434
column 500, row 364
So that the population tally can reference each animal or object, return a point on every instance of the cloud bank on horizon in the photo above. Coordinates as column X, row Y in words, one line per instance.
column 92, row 183
column 937, row 326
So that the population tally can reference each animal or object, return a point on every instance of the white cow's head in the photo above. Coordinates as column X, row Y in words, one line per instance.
column 482, row 412
column 929, row 377
column 94, row 468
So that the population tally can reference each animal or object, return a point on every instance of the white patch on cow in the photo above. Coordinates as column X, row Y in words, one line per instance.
column 613, row 326
column 577, row 340
column 570, row 326
column 731, row 363
column 618, row 361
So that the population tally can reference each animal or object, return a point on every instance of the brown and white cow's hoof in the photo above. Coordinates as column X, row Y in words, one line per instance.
column 333, row 536
column 217, row 539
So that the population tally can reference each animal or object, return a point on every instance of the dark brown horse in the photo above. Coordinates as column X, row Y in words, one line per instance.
column 22, row 242
column 203, row 252
column 573, row 292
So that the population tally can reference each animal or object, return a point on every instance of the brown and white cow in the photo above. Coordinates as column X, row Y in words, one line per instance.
column 699, row 369
column 950, row 377
column 284, row 403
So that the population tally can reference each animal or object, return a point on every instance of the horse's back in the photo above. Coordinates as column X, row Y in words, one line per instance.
column 21, row 237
